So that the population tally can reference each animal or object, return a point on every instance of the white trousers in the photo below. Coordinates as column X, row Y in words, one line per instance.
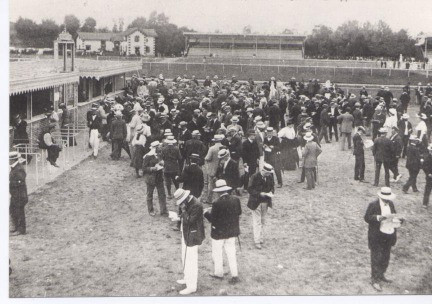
column 190, row 264
column 230, row 250
column 94, row 141
column 258, row 222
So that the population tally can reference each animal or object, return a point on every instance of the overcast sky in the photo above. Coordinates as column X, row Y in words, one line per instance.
column 264, row 16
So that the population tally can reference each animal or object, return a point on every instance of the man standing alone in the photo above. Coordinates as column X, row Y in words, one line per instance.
column 18, row 193
column 261, row 191
column 346, row 121
column 224, row 217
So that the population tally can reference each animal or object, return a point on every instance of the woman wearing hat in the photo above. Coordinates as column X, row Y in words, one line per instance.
column 139, row 144
column 18, row 193
column 289, row 145
column 381, row 234
column 413, row 163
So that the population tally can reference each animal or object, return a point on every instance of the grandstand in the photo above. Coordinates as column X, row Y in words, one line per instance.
column 244, row 46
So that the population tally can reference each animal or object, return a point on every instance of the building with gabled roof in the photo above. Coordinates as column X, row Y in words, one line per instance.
column 131, row 42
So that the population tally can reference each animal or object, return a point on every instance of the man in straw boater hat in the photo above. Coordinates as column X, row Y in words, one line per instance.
column 382, row 219
column 427, row 168
column 153, row 174
column 310, row 160
column 95, row 125
column 261, row 190
column 118, row 134
column 192, row 176
column 224, row 216
column 413, row 163
column 382, row 151
column 405, row 130
column 18, row 193
column 228, row 169
column 171, row 156
column 192, row 228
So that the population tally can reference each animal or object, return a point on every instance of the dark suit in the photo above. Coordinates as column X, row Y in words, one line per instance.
column 118, row 133
column 273, row 157
column 397, row 150
column 19, row 198
column 250, row 155
column 154, row 179
column 427, row 168
column 192, row 178
column 230, row 173
column 193, row 223
column 260, row 184
column 383, row 153
column 195, row 146
column 379, row 243
column 224, row 217
column 359, row 167
column 333, row 127
column 413, row 165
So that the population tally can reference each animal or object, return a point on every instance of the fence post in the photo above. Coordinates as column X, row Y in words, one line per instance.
column 278, row 70
column 186, row 67
column 371, row 71
column 150, row 66
column 168, row 66
column 389, row 72
column 352, row 71
column 223, row 68
column 297, row 69
column 315, row 70
column 334, row 71
column 241, row 68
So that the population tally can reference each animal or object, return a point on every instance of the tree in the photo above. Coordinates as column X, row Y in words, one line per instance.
column 47, row 33
column 115, row 29
column 139, row 22
column 121, row 25
column 103, row 30
column 26, row 31
column 72, row 24
column 89, row 25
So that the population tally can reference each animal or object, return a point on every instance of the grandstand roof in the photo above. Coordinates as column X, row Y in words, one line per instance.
column 244, row 35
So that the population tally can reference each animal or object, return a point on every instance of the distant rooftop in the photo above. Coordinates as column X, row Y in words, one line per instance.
column 25, row 76
column 115, row 36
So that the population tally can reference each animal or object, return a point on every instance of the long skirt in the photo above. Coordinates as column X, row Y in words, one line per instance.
column 289, row 154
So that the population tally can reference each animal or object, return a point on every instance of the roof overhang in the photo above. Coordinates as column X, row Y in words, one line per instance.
column 21, row 86
column 110, row 71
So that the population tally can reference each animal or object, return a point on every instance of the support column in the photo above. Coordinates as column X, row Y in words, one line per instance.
column 73, row 58
column 64, row 57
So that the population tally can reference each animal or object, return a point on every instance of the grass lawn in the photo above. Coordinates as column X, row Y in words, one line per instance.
column 89, row 234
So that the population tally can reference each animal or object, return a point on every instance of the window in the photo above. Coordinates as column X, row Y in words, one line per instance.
column 41, row 101
column 88, row 47
column 137, row 38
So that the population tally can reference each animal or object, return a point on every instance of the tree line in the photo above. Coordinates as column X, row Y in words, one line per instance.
column 350, row 40
column 367, row 40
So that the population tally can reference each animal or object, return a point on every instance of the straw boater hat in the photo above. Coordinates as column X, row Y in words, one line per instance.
column 269, row 129
column 386, row 194
column 221, row 186
column 145, row 117
column 235, row 119
column 307, row 125
column 414, row 138
column 405, row 116
column 429, row 147
column 360, row 128
column 268, row 168
column 155, row 144
column 218, row 137
column 170, row 140
column 257, row 118
column 194, row 156
column 260, row 125
column 223, row 153
column 183, row 123
column 196, row 133
column 423, row 116
column 167, row 132
column 308, row 136
column 16, row 156
column 180, row 195
column 382, row 130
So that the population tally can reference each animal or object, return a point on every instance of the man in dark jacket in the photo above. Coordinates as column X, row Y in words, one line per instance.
column 192, row 227
column 413, row 164
column 153, row 176
column 250, row 155
column 118, row 135
column 271, row 145
column 333, row 120
column 228, row 169
column 192, row 176
column 380, row 216
column 427, row 168
column 195, row 146
column 224, row 217
column 397, row 150
column 382, row 151
column 324, row 123
column 18, row 193
column 95, row 125
column 171, row 157
column 359, row 167
column 261, row 191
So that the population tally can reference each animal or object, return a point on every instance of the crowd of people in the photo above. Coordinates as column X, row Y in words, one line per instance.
column 234, row 138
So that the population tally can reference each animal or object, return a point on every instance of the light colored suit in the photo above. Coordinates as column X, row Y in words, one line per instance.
column 210, row 168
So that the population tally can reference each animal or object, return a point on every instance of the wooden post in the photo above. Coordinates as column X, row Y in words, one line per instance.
column 371, row 71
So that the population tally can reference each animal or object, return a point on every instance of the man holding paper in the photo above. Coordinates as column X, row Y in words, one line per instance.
column 261, row 191
column 382, row 219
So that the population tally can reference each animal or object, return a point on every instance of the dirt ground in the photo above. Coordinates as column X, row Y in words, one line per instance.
column 89, row 234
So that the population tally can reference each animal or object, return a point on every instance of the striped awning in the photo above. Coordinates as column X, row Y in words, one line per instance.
column 21, row 86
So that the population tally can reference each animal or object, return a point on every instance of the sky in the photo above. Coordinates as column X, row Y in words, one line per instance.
column 231, row 16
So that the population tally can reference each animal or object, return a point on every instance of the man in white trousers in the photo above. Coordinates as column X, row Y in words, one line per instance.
column 95, row 125
column 192, row 228
column 224, row 216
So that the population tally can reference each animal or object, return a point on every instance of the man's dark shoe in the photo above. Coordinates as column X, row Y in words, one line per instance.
column 234, row 280
column 215, row 276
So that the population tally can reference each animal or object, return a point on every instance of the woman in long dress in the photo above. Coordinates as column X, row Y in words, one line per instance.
column 289, row 144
